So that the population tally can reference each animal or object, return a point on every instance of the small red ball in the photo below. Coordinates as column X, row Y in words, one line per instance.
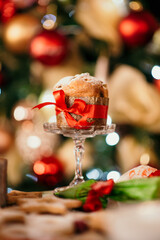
column 138, row 28
column 7, row 10
column 49, row 47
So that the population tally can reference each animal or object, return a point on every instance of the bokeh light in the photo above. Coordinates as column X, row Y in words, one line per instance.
column 94, row 174
column 33, row 142
column 136, row 6
column 115, row 175
column 156, row 72
column 144, row 159
column 20, row 113
column 112, row 139
column 39, row 168
column 48, row 21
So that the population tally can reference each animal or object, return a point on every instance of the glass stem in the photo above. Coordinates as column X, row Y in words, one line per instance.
column 79, row 153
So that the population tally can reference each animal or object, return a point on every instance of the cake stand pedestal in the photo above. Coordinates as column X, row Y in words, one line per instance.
column 78, row 136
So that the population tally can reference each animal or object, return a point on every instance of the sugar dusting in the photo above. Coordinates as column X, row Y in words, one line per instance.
column 83, row 76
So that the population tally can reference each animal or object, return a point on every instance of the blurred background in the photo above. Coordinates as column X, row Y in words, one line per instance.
column 42, row 41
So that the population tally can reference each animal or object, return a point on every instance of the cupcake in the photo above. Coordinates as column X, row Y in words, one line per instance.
column 88, row 89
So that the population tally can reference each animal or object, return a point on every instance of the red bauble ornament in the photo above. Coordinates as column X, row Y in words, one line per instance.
column 49, row 47
column 7, row 10
column 49, row 170
column 137, row 28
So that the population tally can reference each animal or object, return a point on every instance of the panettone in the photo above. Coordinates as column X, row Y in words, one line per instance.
column 84, row 87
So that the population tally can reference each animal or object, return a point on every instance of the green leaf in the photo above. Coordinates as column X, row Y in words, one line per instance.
column 137, row 189
column 79, row 191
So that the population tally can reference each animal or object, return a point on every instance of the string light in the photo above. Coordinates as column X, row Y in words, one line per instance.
column 94, row 174
column 115, row 175
column 156, row 72
column 20, row 113
column 112, row 139
column 48, row 21
column 136, row 6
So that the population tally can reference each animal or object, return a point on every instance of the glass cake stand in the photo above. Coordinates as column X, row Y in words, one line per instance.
column 78, row 136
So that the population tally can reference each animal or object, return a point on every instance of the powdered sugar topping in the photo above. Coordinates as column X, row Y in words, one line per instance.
column 83, row 76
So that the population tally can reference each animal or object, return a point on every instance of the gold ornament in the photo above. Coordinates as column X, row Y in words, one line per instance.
column 133, row 100
column 101, row 18
column 19, row 31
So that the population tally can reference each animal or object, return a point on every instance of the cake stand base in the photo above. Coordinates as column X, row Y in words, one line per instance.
column 78, row 136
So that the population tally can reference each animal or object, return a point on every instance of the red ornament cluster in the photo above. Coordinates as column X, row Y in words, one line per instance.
column 49, row 170
column 98, row 190
column 138, row 28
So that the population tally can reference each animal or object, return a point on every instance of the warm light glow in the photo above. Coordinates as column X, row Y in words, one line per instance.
column 33, row 142
column 39, row 168
column 128, row 27
column 156, row 72
column 112, row 138
column 14, row 32
column 136, row 6
column 109, row 120
column 20, row 113
column 113, row 175
column 144, row 159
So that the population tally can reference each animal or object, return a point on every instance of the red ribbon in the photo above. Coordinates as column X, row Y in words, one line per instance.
column 79, row 107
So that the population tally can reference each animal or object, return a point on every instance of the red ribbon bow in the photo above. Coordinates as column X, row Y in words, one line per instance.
column 79, row 107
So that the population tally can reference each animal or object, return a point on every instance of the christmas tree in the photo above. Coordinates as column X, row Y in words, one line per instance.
column 42, row 41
